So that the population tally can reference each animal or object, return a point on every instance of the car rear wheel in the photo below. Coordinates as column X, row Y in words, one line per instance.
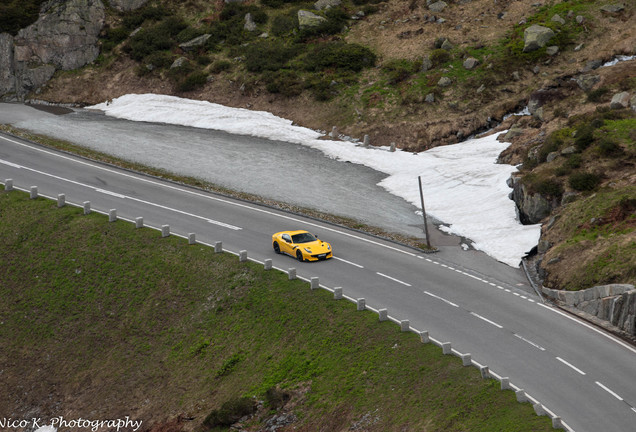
column 276, row 248
column 299, row 256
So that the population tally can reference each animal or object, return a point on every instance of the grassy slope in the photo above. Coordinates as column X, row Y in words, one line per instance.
column 101, row 320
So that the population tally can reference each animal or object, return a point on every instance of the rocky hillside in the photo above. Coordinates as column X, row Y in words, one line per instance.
column 419, row 73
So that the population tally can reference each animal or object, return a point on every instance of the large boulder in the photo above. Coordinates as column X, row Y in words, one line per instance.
column 308, row 19
column 65, row 37
column 326, row 4
column 536, row 37
column 587, row 81
column 532, row 207
column 126, row 5
column 437, row 6
column 620, row 100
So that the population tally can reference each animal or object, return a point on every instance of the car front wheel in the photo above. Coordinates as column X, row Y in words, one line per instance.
column 276, row 248
column 299, row 256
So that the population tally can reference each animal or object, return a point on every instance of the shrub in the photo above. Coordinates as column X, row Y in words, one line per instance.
column 609, row 148
column 113, row 37
column 148, row 13
column 269, row 56
column 285, row 82
column 439, row 57
column 147, row 42
column 159, row 60
column 584, row 137
column 549, row 187
column 552, row 144
column 339, row 55
column 583, row 181
column 220, row 66
column 336, row 22
column 276, row 398
column 573, row 161
column 597, row 95
column 399, row 70
column 193, row 81
column 283, row 25
column 15, row 15
column 230, row 412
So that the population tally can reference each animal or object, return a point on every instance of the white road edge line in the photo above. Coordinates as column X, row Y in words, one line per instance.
column 393, row 279
column 486, row 319
column 348, row 262
column 571, row 366
column 609, row 391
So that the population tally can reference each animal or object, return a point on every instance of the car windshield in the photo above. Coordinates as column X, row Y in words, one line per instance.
column 303, row 238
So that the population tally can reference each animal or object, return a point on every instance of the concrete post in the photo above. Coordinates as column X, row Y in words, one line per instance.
column 87, row 207
column 139, row 222
column 337, row 293
column 446, row 348
column 34, row 192
column 314, row 283
column 334, row 132
column 291, row 273
column 192, row 238
column 361, row 304
column 466, row 360
column 405, row 325
column 61, row 200
column 8, row 184
column 365, row 141
column 243, row 256
column 268, row 264
column 165, row 230
column 383, row 314
column 485, row 372
column 424, row 337
column 556, row 423
column 218, row 247
column 521, row 396
column 538, row 409
column 392, row 147
column 112, row 215
column 505, row 383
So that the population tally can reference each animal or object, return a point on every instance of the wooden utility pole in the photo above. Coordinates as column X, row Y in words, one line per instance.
column 428, row 242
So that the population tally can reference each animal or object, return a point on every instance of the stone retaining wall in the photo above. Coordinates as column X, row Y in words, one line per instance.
column 615, row 303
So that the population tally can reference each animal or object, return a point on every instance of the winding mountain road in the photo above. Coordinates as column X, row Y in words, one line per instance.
column 578, row 372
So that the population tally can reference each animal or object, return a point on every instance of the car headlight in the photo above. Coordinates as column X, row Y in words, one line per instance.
column 307, row 250
column 328, row 247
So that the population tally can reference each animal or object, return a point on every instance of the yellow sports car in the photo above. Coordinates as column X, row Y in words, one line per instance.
column 302, row 245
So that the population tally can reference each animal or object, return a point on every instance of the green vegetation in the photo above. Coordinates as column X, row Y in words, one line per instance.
column 138, row 319
column 18, row 14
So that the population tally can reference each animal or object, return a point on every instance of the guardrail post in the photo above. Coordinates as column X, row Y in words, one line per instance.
column 383, row 314
column 112, row 215
column 538, row 409
column 337, row 293
column 87, row 207
column 61, row 200
column 314, row 283
column 424, row 337
column 556, row 423
column 192, row 238
column 218, row 247
column 8, row 184
column 505, row 383
column 466, row 360
column 446, row 348
column 268, row 264
column 139, row 222
column 365, row 141
column 165, row 230
column 485, row 372
column 521, row 396
column 34, row 192
column 243, row 256
column 405, row 325
column 291, row 273
column 361, row 304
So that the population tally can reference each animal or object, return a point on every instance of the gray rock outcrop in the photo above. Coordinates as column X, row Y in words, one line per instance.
column 126, row 5
column 308, row 19
column 620, row 100
column 326, row 4
column 195, row 43
column 64, row 37
column 587, row 82
column 532, row 207
column 536, row 37
column 470, row 63
column 437, row 6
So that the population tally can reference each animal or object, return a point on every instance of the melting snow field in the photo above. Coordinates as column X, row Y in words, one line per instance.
column 463, row 185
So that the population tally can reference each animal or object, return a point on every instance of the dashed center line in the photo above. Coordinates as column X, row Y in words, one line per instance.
column 609, row 391
column 348, row 262
column 107, row 192
column 486, row 319
column 393, row 279
column 571, row 366
column 529, row 342
column 441, row 298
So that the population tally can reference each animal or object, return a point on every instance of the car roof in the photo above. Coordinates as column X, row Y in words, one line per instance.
column 293, row 232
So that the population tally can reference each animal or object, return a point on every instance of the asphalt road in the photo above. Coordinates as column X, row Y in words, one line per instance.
column 576, row 371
